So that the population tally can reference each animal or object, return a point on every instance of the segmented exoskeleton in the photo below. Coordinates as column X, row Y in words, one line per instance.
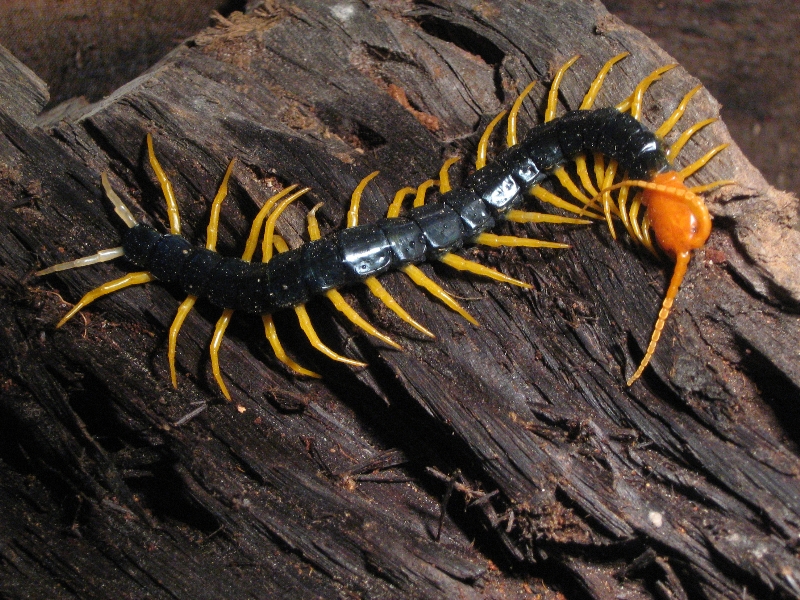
column 613, row 139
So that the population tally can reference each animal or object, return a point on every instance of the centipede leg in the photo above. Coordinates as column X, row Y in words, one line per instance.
column 684, row 137
column 425, row 282
column 130, row 279
column 311, row 334
column 670, row 122
column 211, row 244
column 166, row 188
column 280, row 353
column 544, row 195
column 522, row 216
column 483, row 144
column 380, row 292
column 594, row 89
column 552, row 97
column 511, row 129
column 495, row 241
column 634, row 101
column 334, row 296
column 216, row 342
column 462, row 264
column 444, row 175
column 700, row 163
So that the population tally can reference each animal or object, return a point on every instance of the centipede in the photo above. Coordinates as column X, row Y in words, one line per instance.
column 624, row 174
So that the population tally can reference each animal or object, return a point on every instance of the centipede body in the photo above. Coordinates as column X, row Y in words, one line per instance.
column 614, row 136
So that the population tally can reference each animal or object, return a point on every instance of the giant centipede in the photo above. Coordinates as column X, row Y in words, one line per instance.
column 624, row 153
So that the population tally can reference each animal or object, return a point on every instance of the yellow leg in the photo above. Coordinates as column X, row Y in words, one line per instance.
column 183, row 311
column 107, row 288
column 678, row 144
column 591, row 95
column 634, row 102
column 419, row 199
column 186, row 306
column 674, row 285
column 552, row 97
column 511, row 130
column 599, row 169
column 123, row 212
column 701, row 162
column 216, row 342
column 280, row 353
column 483, row 145
column 397, row 203
column 85, row 261
column 566, row 181
column 607, row 200
column 462, row 264
column 380, row 292
column 255, row 228
column 425, row 282
column 495, row 241
column 335, row 297
column 355, row 199
column 166, row 188
column 583, row 174
column 546, row 196
column 699, row 189
column 342, row 306
column 521, row 216
column 444, row 175
column 667, row 125
column 269, row 230
column 308, row 329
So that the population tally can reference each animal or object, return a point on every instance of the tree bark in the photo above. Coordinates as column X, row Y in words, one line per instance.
column 116, row 484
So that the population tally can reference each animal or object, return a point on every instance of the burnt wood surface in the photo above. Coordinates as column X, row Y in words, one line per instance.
column 114, row 484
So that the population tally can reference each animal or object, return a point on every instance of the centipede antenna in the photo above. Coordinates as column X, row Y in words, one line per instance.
column 355, row 199
column 419, row 199
column 670, row 122
column 552, row 97
column 425, row 282
column 384, row 296
column 397, row 203
column 216, row 342
column 85, row 261
column 483, row 144
column 681, row 264
column 511, row 130
column 701, row 162
column 547, row 196
column 678, row 144
column 272, row 336
column 166, row 188
column 496, row 241
column 180, row 316
column 462, row 264
column 123, row 212
column 521, row 216
column 634, row 102
column 444, row 175
column 107, row 288
column 311, row 334
column 591, row 95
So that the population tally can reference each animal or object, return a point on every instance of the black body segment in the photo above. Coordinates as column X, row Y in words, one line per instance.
column 425, row 233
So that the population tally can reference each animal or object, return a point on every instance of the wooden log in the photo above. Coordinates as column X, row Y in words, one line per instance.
column 685, row 484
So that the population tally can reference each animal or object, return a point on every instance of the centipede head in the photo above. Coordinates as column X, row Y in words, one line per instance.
column 679, row 217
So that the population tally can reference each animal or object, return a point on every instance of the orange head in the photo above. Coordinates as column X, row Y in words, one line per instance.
column 679, row 218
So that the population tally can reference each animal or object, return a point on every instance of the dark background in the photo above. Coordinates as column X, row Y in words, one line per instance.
column 746, row 53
